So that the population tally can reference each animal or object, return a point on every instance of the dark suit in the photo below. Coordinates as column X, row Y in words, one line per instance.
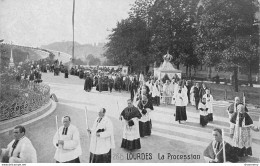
column 132, row 87
column 197, row 96
column 202, row 92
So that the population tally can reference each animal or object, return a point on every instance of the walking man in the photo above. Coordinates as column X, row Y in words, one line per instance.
column 181, row 101
column 20, row 150
column 67, row 143
column 214, row 152
column 196, row 91
column 102, row 139
column 131, row 136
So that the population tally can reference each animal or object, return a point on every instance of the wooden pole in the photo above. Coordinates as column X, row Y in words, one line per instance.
column 73, row 14
column 57, row 127
column 118, row 109
column 224, row 149
column 86, row 118
column 244, row 99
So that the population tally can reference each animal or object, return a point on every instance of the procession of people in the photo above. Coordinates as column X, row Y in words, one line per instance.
column 102, row 139
column 146, row 94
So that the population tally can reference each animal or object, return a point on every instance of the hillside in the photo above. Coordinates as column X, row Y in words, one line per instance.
column 81, row 50
column 20, row 54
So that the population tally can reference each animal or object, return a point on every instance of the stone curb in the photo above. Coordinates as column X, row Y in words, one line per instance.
column 32, row 117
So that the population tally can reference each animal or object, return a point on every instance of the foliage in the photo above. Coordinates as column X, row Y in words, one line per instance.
column 51, row 56
column 79, row 62
column 92, row 60
column 7, row 92
column 153, row 28
column 173, row 30
column 107, row 62
column 225, row 29
column 129, row 44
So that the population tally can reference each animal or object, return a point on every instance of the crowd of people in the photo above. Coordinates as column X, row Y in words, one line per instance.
column 104, row 78
column 155, row 91
column 145, row 93
column 24, row 77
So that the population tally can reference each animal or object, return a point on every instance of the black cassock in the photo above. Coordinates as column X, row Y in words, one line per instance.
column 146, row 125
column 88, row 84
column 131, row 140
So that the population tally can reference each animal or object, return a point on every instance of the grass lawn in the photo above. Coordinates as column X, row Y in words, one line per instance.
column 222, row 92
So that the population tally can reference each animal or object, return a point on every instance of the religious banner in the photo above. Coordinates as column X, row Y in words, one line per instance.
column 124, row 70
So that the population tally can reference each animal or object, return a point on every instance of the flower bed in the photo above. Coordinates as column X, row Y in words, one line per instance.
column 21, row 97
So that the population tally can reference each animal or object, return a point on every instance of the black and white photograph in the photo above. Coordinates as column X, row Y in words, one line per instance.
column 129, row 81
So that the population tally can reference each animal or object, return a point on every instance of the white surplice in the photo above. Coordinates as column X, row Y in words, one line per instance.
column 104, row 143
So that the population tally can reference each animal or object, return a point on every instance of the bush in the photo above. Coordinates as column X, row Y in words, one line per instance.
column 10, row 88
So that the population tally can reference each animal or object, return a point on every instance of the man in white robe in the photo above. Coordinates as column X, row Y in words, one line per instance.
column 209, row 103
column 181, row 101
column 192, row 97
column 240, row 131
column 20, row 150
column 167, row 95
column 145, row 123
column 141, row 77
column 172, row 86
column 67, row 143
column 233, row 107
column 156, row 93
column 203, row 112
column 102, row 139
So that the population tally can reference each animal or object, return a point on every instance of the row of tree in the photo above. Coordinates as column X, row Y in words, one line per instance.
column 220, row 34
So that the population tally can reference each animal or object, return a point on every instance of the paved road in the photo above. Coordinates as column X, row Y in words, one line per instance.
column 168, row 137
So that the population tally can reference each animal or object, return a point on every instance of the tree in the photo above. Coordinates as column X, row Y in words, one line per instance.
column 129, row 44
column 224, row 30
column 79, row 62
column 51, row 56
column 107, row 62
column 95, row 61
column 153, row 28
column 92, row 60
column 89, row 57
column 173, row 30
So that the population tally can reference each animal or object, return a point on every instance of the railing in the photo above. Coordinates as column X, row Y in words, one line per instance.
column 32, row 97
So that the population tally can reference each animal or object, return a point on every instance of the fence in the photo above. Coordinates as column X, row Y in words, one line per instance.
column 27, row 98
column 225, row 92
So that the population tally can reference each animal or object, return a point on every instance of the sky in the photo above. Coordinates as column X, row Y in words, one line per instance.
column 40, row 22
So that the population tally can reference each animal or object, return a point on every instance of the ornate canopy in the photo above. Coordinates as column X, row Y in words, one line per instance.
column 167, row 68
